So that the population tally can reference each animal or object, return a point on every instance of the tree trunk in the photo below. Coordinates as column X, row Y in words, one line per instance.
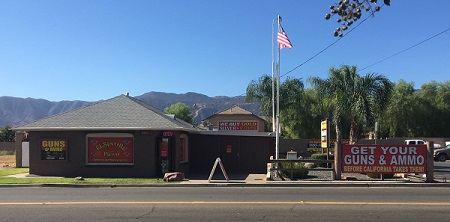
column 338, row 152
column 353, row 131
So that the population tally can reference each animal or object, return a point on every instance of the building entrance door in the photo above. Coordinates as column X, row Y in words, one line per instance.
column 164, row 163
column 229, row 154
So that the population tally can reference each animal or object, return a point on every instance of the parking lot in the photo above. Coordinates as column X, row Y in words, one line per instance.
column 442, row 170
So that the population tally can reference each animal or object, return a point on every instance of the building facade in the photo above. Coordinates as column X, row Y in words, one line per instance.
column 123, row 137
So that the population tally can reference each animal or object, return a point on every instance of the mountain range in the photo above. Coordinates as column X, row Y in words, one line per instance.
column 18, row 111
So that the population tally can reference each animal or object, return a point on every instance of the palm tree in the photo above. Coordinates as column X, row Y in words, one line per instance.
column 356, row 99
column 261, row 91
column 291, row 98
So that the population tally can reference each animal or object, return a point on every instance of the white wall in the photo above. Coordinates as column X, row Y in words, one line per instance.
column 25, row 154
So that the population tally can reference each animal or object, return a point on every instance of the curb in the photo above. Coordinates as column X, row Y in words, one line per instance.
column 243, row 185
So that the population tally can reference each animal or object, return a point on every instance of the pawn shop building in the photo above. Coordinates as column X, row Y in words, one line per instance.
column 124, row 137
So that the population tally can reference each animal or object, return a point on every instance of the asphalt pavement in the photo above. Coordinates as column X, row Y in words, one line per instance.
column 442, row 172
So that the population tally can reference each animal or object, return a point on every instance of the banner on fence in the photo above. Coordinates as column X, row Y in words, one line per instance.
column 360, row 158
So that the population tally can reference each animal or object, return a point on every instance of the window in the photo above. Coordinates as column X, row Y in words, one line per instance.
column 183, row 148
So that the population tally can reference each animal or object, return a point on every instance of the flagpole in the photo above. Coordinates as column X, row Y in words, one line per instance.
column 273, row 78
column 277, row 134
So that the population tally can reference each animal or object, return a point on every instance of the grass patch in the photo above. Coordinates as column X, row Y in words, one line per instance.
column 40, row 180
column 12, row 171
column 7, row 152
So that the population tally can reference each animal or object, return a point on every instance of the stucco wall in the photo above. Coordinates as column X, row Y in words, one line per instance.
column 75, row 165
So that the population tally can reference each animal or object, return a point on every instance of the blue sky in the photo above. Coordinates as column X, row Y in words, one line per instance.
column 99, row 49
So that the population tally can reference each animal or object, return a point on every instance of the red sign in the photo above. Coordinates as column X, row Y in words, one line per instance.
column 110, row 150
column 364, row 158
column 238, row 125
column 167, row 133
column 164, row 148
column 228, row 148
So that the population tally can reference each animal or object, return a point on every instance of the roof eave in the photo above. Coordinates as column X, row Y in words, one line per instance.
column 41, row 129
column 237, row 133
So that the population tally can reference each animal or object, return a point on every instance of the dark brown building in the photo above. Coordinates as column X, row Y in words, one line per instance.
column 123, row 137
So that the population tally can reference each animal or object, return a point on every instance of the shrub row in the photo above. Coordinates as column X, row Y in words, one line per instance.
column 300, row 171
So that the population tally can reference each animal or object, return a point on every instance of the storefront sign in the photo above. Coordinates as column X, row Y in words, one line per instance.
column 110, row 150
column 238, row 125
column 317, row 143
column 54, row 149
column 324, row 134
column 359, row 158
column 167, row 133
column 228, row 149
column 164, row 147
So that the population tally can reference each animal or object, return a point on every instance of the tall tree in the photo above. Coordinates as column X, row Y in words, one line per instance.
column 399, row 116
column 434, row 104
column 181, row 111
column 261, row 90
column 356, row 99
column 291, row 98
column 417, row 113
column 6, row 134
column 292, row 108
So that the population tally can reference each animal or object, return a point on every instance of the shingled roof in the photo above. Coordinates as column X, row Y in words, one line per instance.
column 118, row 113
column 235, row 110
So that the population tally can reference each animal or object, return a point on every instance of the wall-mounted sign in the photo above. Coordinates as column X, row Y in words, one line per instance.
column 54, row 149
column 238, row 125
column 164, row 147
column 317, row 143
column 167, row 133
column 359, row 158
column 228, row 148
column 110, row 150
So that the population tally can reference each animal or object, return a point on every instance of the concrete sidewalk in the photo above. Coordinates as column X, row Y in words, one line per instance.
column 233, row 179
column 259, row 180
column 245, row 180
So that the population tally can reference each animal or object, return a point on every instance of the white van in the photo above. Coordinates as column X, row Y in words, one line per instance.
column 419, row 142
column 414, row 142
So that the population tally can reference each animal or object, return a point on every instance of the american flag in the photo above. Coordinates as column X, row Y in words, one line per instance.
column 283, row 40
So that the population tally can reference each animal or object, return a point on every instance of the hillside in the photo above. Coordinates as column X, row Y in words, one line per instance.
column 18, row 111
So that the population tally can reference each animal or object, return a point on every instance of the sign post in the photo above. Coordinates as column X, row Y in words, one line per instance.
column 325, row 136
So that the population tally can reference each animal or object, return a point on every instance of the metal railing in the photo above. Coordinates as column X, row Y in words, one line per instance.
column 272, row 166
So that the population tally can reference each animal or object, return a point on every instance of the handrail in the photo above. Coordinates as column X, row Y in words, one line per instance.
column 292, row 169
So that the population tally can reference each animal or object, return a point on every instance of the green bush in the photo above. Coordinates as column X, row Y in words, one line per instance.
column 300, row 171
column 7, row 152
column 322, row 157
column 377, row 175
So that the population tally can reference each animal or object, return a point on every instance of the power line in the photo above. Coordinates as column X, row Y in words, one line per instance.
column 326, row 48
column 415, row 45
column 314, row 56
column 333, row 43
column 323, row 50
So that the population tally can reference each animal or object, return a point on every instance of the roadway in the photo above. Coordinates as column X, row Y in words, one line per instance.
column 224, row 204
